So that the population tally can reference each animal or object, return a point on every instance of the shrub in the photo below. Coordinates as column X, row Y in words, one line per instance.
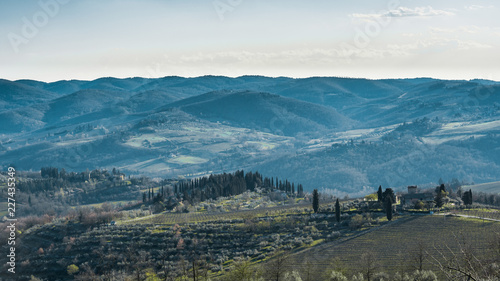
column 308, row 240
column 297, row 241
column 401, row 277
column 336, row 276
column 358, row 277
column 72, row 269
column 424, row 275
column 419, row 205
column 292, row 276
column 381, row 276
column 356, row 221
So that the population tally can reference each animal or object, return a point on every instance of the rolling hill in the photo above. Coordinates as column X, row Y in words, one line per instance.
column 14, row 94
column 264, row 112
column 326, row 132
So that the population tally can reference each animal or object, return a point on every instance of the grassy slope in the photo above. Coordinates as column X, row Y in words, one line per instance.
column 491, row 187
column 394, row 244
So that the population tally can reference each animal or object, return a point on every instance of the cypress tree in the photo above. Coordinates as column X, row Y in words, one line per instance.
column 379, row 193
column 388, row 207
column 337, row 210
column 315, row 202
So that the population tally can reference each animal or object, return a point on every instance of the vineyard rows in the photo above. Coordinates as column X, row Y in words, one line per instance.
column 397, row 244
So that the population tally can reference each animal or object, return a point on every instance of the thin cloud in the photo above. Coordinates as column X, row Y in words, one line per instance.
column 406, row 12
column 478, row 7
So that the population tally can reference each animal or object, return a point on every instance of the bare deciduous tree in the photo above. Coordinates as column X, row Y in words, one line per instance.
column 418, row 256
column 462, row 262
column 368, row 265
column 277, row 267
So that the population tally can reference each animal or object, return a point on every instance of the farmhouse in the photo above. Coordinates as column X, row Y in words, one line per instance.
column 413, row 196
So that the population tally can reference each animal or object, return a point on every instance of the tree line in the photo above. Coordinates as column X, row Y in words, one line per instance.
column 221, row 185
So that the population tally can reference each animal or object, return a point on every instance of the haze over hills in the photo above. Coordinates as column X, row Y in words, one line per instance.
column 337, row 133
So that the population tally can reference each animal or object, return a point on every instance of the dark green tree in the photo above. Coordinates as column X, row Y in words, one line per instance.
column 379, row 193
column 467, row 197
column 388, row 207
column 315, row 200
column 439, row 199
column 388, row 193
column 442, row 187
column 337, row 210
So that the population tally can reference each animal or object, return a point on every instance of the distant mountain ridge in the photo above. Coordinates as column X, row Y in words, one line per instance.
column 175, row 126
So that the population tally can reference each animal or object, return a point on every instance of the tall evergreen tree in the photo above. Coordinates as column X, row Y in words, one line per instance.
column 439, row 199
column 315, row 202
column 388, row 207
column 379, row 193
column 337, row 210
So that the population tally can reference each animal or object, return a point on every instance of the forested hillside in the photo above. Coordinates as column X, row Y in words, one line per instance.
column 396, row 130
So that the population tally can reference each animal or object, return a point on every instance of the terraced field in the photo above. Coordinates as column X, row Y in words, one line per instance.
column 168, row 218
column 395, row 245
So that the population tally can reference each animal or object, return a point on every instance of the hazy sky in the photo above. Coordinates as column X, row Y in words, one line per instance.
column 53, row 40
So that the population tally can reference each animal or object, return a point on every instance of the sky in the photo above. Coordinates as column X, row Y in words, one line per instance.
column 51, row 40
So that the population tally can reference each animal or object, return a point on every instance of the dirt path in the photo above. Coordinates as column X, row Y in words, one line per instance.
column 467, row 216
